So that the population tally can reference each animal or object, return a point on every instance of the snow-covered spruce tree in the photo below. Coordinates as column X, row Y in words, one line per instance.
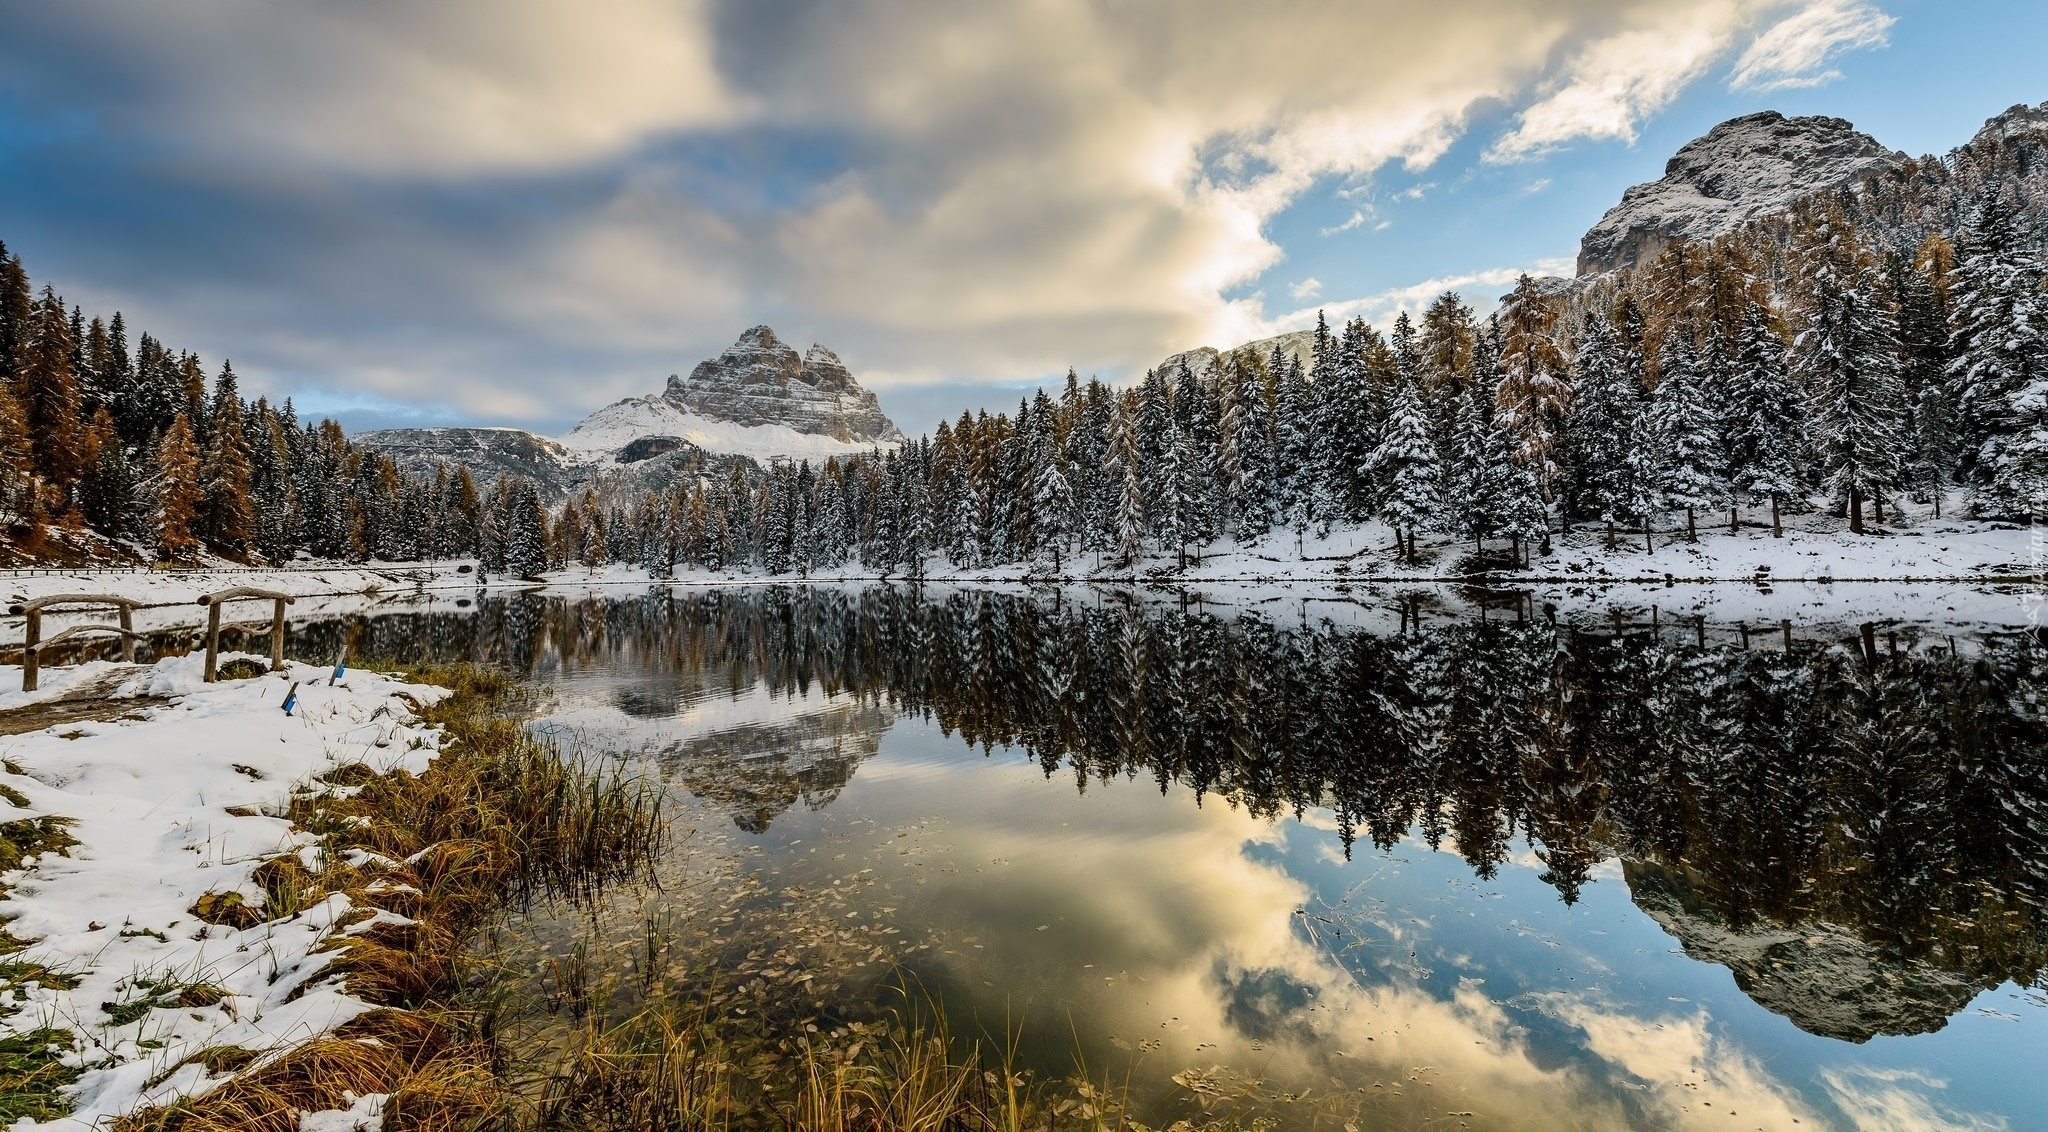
column 1534, row 390
column 1762, row 421
column 1295, row 477
column 1247, row 456
column 1692, row 469
column 526, row 535
column 1176, row 494
column 1921, row 284
column 1600, row 431
column 1124, row 477
column 1407, row 460
column 1846, row 359
column 1998, row 368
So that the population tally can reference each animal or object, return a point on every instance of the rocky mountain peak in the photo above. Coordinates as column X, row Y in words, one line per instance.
column 760, row 380
column 1743, row 167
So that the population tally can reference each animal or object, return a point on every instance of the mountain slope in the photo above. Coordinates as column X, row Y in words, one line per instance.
column 757, row 401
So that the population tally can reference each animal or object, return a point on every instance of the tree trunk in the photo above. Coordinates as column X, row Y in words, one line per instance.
column 1855, row 510
column 1734, row 520
column 1777, row 531
column 1649, row 541
column 1610, row 534
column 1937, row 500
column 1692, row 531
column 1515, row 547
column 1877, row 506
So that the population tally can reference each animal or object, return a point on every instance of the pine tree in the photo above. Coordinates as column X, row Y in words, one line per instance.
column 1763, row 417
column 526, row 542
column 49, row 391
column 1407, row 459
column 178, row 492
column 1691, row 468
column 1052, row 495
column 108, row 493
column 1600, row 434
column 1846, row 358
column 1998, row 346
column 227, row 514
column 1534, row 393
column 1296, row 473
column 1122, row 473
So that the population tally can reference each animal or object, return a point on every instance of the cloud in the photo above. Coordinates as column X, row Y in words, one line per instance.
column 1795, row 51
column 1616, row 81
column 1480, row 289
column 1357, row 218
column 1899, row 1100
column 1306, row 289
column 521, row 210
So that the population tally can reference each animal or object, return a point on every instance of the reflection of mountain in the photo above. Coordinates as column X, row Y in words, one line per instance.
column 1824, row 978
column 1893, row 809
column 759, row 770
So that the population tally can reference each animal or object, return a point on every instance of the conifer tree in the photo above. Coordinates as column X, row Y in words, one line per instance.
column 49, row 391
column 227, row 514
column 108, row 493
column 1600, row 434
column 1691, row 468
column 526, row 535
column 1763, row 417
column 1846, row 358
column 1998, row 346
column 178, row 493
column 1534, row 392
column 1122, row 473
column 1408, row 462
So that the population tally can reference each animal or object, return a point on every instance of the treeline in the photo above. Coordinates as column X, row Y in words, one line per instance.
column 1815, row 361
column 1845, row 373
column 134, row 443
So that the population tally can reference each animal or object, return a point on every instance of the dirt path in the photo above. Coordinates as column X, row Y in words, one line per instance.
column 95, row 702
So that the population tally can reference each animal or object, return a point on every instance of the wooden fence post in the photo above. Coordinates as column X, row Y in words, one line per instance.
column 127, row 636
column 29, row 667
column 212, row 639
column 277, row 637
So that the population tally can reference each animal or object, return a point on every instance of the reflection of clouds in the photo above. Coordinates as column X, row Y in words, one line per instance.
column 1193, row 943
column 1896, row 1100
column 1696, row 1078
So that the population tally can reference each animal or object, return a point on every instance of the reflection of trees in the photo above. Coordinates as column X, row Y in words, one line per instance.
column 1896, row 806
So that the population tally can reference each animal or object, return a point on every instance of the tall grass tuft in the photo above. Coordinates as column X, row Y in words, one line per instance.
column 499, row 818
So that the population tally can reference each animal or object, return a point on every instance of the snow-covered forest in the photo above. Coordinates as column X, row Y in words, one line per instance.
column 1843, row 357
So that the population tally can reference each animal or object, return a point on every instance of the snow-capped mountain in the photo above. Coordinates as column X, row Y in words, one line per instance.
column 1743, row 167
column 758, row 400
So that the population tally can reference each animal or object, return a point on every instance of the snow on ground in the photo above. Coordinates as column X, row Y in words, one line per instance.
column 611, row 428
column 166, row 807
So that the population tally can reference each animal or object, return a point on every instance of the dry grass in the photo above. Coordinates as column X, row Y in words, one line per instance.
column 500, row 817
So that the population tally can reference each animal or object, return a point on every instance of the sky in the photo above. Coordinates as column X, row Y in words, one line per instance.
column 511, row 212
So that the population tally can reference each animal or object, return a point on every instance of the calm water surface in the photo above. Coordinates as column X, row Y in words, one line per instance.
column 1467, row 869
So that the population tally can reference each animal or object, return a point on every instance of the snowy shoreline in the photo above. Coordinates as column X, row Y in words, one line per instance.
column 176, row 799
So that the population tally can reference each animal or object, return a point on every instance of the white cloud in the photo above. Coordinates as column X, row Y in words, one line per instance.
column 1415, row 192
column 988, row 191
column 1357, row 218
column 1795, row 52
column 1481, row 290
column 1615, row 82
column 1306, row 289
column 1899, row 1100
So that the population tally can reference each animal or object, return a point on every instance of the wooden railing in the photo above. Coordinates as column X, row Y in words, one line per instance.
column 214, row 601
column 33, row 643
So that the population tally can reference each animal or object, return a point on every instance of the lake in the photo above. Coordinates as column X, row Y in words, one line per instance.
column 1370, row 861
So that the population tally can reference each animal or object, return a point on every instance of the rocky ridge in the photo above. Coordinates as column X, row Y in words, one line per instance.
column 1755, row 164
column 757, row 401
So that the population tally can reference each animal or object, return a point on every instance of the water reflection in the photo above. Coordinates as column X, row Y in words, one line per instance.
column 1862, row 841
